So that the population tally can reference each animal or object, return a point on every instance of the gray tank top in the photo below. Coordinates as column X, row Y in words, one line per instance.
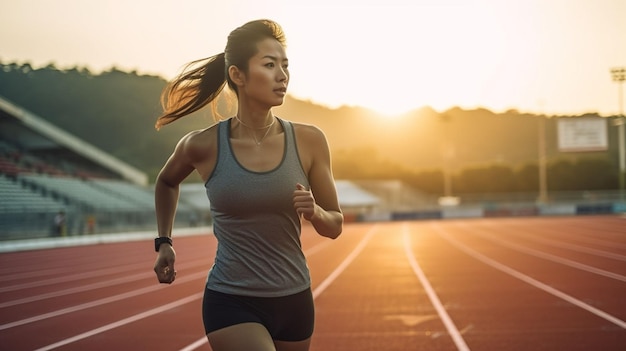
column 258, row 231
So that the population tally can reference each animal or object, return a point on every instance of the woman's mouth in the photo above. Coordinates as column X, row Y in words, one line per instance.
column 281, row 91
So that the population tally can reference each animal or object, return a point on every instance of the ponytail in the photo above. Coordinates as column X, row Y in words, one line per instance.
column 201, row 81
column 193, row 89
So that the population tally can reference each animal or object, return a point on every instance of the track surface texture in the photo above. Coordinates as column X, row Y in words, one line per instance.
column 538, row 283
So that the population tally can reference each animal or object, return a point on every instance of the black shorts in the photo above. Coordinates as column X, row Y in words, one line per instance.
column 286, row 318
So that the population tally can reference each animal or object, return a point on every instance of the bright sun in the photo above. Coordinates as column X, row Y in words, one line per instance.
column 438, row 54
column 390, row 56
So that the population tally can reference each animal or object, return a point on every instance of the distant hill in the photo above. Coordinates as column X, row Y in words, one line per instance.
column 418, row 139
column 116, row 111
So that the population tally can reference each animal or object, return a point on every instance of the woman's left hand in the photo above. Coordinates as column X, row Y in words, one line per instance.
column 304, row 202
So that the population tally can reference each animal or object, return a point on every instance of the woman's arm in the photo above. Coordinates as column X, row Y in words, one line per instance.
column 166, row 192
column 320, row 204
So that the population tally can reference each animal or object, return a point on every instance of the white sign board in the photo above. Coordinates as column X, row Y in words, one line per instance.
column 578, row 134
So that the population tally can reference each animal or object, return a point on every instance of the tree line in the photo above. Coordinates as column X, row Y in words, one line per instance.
column 116, row 110
column 590, row 173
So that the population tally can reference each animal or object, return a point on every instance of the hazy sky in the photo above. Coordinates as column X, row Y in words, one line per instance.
column 551, row 56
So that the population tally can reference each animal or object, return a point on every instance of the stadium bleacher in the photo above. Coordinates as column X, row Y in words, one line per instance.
column 33, row 192
column 17, row 198
column 82, row 192
column 45, row 170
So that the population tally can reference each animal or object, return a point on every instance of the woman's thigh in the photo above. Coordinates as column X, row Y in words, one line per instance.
column 250, row 323
column 242, row 337
column 251, row 336
column 292, row 345
column 289, row 318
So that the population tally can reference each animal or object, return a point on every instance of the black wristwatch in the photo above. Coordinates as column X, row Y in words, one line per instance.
column 161, row 240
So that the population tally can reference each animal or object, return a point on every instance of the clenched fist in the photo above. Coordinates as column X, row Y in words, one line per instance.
column 303, row 202
column 164, row 265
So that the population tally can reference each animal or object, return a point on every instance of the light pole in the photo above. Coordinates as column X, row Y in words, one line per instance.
column 619, row 75
column 448, row 152
column 543, row 182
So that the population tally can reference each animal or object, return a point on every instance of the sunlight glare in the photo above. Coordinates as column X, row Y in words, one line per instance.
column 391, row 56
column 403, row 60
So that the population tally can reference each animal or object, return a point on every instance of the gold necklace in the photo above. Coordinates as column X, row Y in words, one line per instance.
column 268, row 127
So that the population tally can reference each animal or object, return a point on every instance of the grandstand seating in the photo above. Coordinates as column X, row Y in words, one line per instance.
column 29, row 180
column 30, row 199
column 9, row 167
column 141, row 196
column 44, row 170
column 16, row 199
column 108, row 197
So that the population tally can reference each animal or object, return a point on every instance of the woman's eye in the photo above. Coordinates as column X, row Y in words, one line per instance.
column 269, row 65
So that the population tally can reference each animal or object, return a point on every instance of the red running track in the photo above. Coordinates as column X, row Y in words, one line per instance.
column 481, row 284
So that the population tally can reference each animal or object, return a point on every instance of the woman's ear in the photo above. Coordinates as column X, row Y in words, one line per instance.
column 236, row 75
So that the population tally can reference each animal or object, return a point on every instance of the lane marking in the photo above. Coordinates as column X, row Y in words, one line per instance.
column 61, row 277
column 124, row 321
column 463, row 331
column 94, row 286
column 99, row 302
column 69, row 278
column 346, row 262
column 410, row 320
column 561, row 244
column 545, row 287
column 320, row 288
column 315, row 249
column 130, row 319
column 550, row 257
column 588, row 236
column 432, row 295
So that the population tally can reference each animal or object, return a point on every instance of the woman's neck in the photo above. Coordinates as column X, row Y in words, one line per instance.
column 255, row 119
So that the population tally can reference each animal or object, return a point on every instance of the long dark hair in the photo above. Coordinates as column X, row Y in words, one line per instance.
column 201, row 81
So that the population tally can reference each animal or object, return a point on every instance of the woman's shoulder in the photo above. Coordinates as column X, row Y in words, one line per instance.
column 201, row 135
column 307, row 130
column 199, row 140
column 309, row 135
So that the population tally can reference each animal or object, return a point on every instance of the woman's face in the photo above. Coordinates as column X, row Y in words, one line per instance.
column 268, row 74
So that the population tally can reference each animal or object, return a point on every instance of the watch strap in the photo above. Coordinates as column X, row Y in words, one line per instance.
column 161, row 240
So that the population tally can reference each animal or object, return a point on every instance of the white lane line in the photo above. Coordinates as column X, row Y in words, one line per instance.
column 510, row 271
column 94, row 286
column 99, row 302
column 550, row 257
column 78, row 289
column 131, row 319
column 318, row 247
column 60, row 277
column 124, row 321
column 432, row 295
column 320, row 288
column 561, row 244
column 346, row 262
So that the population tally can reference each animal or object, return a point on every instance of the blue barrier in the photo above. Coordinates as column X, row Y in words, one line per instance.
column 588, row 209
column 402, row 216
column 619, row 207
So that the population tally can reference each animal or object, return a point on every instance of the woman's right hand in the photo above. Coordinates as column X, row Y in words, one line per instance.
column 164, row 265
